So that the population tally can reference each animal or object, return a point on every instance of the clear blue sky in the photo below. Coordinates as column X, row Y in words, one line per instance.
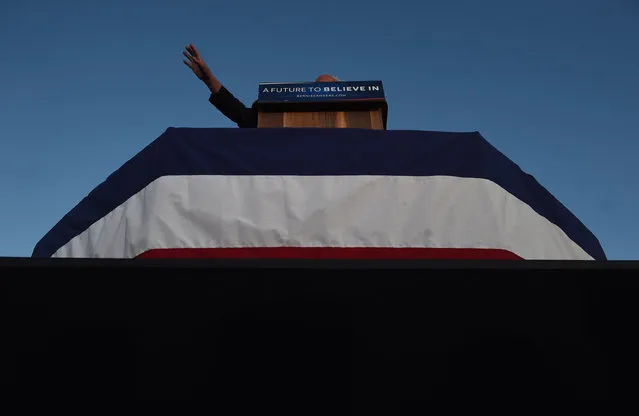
column 553, row 84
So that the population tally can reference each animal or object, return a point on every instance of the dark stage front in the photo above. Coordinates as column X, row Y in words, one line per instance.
column 348, row 337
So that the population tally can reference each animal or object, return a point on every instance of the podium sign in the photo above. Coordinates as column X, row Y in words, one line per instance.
column 339, row 104
column 275, row 92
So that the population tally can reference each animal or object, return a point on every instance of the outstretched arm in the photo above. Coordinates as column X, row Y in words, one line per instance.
column 220, row 97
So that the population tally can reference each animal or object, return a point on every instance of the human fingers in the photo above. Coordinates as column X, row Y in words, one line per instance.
column 189, row 57
column 194, row 50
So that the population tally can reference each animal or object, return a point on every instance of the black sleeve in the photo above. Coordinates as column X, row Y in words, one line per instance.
column 234, row 109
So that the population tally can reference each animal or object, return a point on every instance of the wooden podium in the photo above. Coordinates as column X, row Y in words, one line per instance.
column 340, row 104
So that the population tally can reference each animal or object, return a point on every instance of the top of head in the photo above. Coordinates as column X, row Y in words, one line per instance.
column 326, row 78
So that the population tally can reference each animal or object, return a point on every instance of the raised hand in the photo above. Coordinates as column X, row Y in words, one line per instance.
column 195, row 62
column 200, row 69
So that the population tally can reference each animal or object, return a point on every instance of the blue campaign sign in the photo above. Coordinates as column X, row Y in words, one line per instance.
column 277, row 92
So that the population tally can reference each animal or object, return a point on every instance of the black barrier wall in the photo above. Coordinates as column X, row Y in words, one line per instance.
column 345, row 338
